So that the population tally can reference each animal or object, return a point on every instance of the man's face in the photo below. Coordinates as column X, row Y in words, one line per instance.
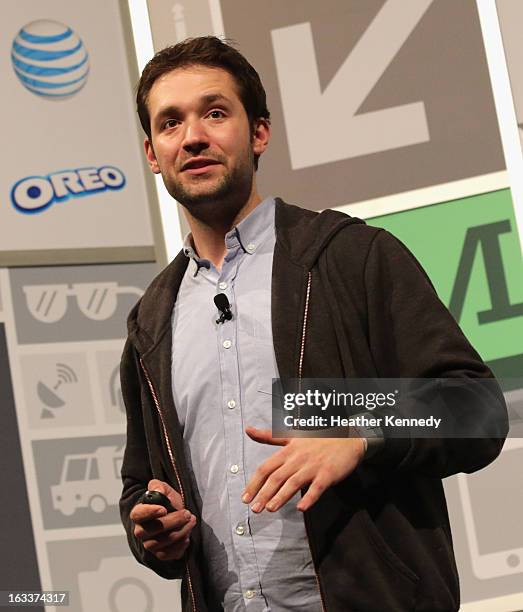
column 201, row 139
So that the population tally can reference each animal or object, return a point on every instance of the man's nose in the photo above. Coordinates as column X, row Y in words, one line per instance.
column 195, row 137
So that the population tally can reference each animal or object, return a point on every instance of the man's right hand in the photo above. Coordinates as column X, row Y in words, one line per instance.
column 165, row 535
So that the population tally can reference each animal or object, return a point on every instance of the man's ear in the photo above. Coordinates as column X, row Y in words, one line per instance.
column 261, row 136
column 151, row 156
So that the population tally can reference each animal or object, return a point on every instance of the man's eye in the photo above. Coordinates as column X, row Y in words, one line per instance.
column 170, row 123
column 216, row 114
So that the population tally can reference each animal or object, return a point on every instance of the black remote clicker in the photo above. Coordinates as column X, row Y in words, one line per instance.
column 156, row 498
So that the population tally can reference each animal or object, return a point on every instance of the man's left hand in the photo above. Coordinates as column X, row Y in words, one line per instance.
column 317, row 462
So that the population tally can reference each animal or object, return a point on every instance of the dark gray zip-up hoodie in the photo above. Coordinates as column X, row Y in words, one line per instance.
column 348, row 300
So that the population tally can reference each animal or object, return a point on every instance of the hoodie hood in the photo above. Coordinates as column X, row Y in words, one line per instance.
column 302, row 234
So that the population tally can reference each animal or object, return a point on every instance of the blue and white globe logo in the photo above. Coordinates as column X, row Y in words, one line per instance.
column 50, row 59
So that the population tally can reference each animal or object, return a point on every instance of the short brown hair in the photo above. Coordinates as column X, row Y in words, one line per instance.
column 205, row 51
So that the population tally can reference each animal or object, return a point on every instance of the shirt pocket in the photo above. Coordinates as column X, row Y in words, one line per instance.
column 257, row 359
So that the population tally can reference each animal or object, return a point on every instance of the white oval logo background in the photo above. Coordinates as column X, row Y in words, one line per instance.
column 50, row 59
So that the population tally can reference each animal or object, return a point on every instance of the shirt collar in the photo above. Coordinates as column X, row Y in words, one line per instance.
column 190, row 252
column 252, row 231
column 249, row 234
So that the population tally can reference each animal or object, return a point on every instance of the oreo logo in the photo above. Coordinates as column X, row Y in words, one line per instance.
column 34, row 194
column 50, row 59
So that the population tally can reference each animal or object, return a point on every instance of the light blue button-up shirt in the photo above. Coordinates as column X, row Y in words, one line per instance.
column 222, row 375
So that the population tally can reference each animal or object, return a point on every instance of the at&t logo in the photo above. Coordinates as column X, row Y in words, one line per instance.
column 50, row 59
column 34, row 194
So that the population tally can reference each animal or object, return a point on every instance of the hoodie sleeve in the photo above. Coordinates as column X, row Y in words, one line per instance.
column 136, row 468
column 410, row 327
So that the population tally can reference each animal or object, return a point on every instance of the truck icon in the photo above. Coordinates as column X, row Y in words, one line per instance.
column 89, row 480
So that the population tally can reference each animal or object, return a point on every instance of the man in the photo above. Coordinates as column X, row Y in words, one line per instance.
column 261, row 523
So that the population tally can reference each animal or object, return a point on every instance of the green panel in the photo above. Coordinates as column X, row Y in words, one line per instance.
column 470, row 249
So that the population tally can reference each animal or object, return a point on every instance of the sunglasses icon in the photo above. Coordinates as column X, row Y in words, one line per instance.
column 96, row 301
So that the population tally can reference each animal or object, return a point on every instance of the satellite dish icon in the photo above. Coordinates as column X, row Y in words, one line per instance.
column 49, row 397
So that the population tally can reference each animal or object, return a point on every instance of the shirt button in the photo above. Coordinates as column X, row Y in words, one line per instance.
column 227, row 344
column 231, row 404
column 234, row 469
column 222, row 285
column 240, row 529
column 250, row 594
column 251, row 246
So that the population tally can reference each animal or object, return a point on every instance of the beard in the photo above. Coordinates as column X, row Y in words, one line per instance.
column 219, row 200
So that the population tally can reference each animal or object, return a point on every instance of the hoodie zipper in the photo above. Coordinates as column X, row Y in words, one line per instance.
column 300, row 373
column 304, row 328
column 173, row 464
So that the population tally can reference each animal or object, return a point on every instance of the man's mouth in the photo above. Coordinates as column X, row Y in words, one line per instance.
column 198, row 165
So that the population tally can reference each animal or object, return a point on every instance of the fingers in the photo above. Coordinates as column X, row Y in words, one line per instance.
column 318, row 463
column 262, row 473
column 174, row 497
column 171, row 545
column 265, row 436
column 144, row 530
column 279, row 490
column 166, row 537
column 277, row 473
column 165, row 534
column 316, row 488
column 143, row 513
column 272, row 497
